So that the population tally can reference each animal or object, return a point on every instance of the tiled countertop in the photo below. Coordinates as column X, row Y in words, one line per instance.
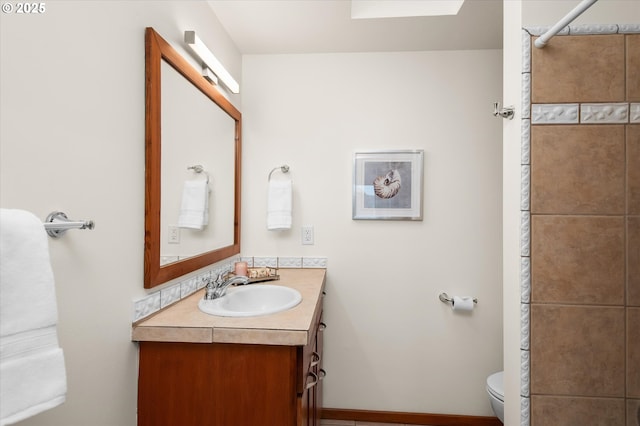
column 184, row 322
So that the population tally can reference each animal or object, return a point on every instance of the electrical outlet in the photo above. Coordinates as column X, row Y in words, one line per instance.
column 174, row 235
column 307, row 235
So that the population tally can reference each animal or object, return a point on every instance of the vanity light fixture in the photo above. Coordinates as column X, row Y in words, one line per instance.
column 209, row 75
column 211, row 62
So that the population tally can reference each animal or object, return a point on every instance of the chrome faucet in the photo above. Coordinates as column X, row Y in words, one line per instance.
column 218, row 287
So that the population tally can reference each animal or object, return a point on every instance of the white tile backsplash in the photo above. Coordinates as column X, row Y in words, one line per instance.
column 188, row 286
column 290, row 262
column 146, row 306
column 314, row 262
column 153, row 302
column 170, row 295
column 265, row 262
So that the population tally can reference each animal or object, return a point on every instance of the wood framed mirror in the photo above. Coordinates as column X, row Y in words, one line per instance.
column 212, row 107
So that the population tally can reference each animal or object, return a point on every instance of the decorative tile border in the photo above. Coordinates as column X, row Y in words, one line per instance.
column 525, row 180
column 629, row 28
column 188, row 286
column 525, row 282
column 525, row 233
column 525, row 357
column 634, row 113
column 524, row 324
column 146, row 306
column 265, row 262
column 524, row 411
column 526, row 95
column 170, row 295
column 289, row 262
column 552, row 114
column 538, row 31
column 587, row 29
column 525, row 150
column 314, row 262
column 604, row 113
column 160, row 299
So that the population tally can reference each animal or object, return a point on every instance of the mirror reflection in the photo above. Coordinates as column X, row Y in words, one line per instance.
column 189, row 223
column 200, row 135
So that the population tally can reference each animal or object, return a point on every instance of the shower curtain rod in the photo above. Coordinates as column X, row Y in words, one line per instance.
column 577, row 11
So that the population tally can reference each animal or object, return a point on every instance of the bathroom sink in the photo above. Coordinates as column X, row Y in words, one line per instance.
column 252, row 300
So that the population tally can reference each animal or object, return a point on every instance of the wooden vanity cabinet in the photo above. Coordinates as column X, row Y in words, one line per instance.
column 311, row 401
column 230, row 384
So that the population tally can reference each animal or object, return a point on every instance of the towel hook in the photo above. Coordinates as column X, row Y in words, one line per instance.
column 198, row 168
column 284, row 169
column 506, row 112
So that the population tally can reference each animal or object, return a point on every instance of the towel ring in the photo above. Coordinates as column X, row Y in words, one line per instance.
column 199, row 169
column 284, row 169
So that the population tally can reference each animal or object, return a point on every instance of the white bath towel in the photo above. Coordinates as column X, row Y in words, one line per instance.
column 32, row 373
column 194, row 211
column 279, row 204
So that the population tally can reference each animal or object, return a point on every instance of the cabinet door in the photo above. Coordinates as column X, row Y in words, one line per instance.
column 305, row 413
column 313, row 415
column 320, row 372
column 190, row 384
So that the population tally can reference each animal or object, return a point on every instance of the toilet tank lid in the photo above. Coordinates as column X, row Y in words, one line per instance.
column 496, row 383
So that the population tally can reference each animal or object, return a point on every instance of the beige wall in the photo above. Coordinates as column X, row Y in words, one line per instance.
column 390, row 343
column 72, row 139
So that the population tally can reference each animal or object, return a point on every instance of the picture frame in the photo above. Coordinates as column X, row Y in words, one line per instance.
column 387, row 185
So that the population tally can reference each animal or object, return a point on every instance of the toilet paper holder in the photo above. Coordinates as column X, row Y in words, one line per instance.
column 444, row 297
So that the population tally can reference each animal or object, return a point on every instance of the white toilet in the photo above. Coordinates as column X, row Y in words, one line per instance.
column 495, row 389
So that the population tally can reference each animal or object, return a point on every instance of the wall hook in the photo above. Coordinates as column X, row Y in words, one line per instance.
column 506, row 112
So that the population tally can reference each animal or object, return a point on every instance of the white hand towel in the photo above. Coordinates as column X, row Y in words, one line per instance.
column 279, row 203
column 32, row 374
column 194, row 211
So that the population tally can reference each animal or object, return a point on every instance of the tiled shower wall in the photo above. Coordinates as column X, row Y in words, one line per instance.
column 584, row 215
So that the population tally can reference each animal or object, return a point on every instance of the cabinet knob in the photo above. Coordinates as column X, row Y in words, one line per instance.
column 322, row 326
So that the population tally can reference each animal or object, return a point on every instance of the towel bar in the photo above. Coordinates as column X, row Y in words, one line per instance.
column 57, row 223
